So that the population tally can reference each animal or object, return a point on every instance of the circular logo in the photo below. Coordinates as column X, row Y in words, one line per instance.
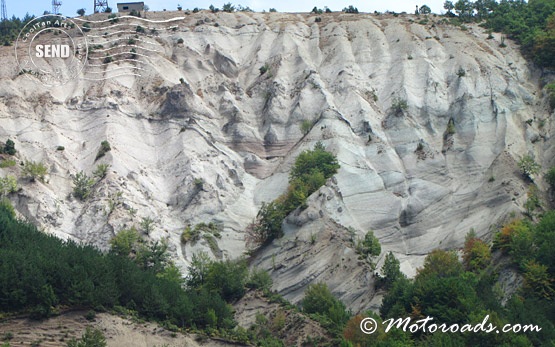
column 368, row 326
column 52, row 48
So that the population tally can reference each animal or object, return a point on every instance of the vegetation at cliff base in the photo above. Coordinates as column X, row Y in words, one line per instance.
column 41, row 275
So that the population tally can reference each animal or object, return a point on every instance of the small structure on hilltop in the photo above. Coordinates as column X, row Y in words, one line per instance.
column 131, row 6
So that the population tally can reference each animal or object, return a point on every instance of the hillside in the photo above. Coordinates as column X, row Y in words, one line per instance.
column 428, row 122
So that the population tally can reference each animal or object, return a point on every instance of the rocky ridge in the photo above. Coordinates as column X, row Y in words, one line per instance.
column 200, row 134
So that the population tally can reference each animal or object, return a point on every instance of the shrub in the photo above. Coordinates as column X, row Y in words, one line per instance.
column 316, row 160
column 398, row 106
column 140, row 29
column 108, row 10
column 147, row 224
column 136, row 13
column 34, row 171
column 82, row 185
column 60, row 148
column 306, row 125
column 8, row 185
column 199, row 183
column 273, row 10
column 319, row 300
column 180, row 40
column 450, row 127
column 419, row 147
column 81, row 12
column 90, row 315
column 318, row 19
column 113, row 18
column 124, row 241
column 550, row 177
column 91, row 338
column 259, row 279
column 476, row 253
column 9, row 147
column 264, row 69
column 528, row 166
column 7, row 163
column 461, row 72
column 104, row 148
column 86, row 27
column 101, row 171
column 213, row 9
column 108, row 59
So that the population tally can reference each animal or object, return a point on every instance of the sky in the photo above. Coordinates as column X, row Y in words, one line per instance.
column 69, row 7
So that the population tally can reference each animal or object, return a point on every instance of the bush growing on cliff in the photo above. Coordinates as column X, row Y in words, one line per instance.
column 82, row 185
column 309, row 173
column 104, row 148
column 34, row 171
column 90, row 338
column 398, row 105
column 528, row 166
column 9, row 147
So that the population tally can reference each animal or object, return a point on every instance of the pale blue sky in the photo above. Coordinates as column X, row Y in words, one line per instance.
column 69, row 7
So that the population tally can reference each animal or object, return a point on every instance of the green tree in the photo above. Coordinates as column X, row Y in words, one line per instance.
column 198, row 270
column 319, row 300
column 82, row 185
column 9, row 147
column 316, row 160
column 448, row 5
column 391, row 270
column 425, row 9
column 228, row 7
column 81, row 12
column 476, row 253
column 538, row 279
column 101, row 171
column 441, row 263
column 124, row 241
column 464, row 9
column 371, row 245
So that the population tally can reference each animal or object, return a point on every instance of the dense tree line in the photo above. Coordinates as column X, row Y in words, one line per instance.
column 10, row 28
column 531, row 24
column 42, row 274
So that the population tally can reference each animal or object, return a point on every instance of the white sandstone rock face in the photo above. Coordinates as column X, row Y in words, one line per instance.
column 213, row 148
